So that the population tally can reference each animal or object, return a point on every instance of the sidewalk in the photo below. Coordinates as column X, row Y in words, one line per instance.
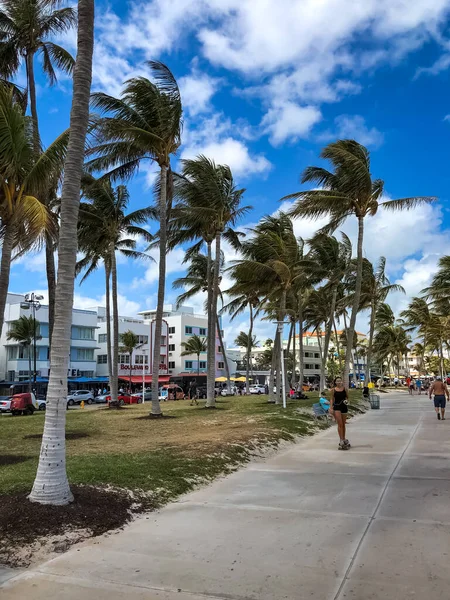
column 310, row 523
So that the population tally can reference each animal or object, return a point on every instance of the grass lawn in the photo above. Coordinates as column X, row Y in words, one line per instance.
column 166, row 457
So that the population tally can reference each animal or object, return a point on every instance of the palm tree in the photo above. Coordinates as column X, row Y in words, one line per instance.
column 375, row 289
column 208, row 210
column 25, row 330
column 26, row 28
column 347, row 190
column 51, row 485
column 247, row 341
column 23, row 180
column 104, row 230
column 144, row 124
column 129, row 341
column 196, row 280
column 195, row 345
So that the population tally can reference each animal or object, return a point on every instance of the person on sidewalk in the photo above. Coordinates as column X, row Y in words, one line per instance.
column 441, row 394
column 419, row 386
column 339, row 408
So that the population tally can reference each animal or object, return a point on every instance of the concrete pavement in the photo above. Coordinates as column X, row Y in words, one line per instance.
column 309, row 523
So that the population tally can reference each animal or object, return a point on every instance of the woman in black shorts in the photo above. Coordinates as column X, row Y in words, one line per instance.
column 338, row 407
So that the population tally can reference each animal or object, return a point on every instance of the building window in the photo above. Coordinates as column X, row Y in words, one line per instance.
column 11, row 375
column 124, row 359
column 171, row 365
column 84, row 354
column 102, row 359
column 221, row 365
column 317, row 367
column 171, row 329
column 102, row 338
column 143, row 339
column 308, row 366
column 141, row 359
column 83, row 333
column 202, row 364
column 188, row 364
column 202, row 331
column 188, row 330
column 23, row 375
column 308, row 354
column 86, row 373
column 316, row 355
column 171, row 347
column 163, row 340
column 219, row 349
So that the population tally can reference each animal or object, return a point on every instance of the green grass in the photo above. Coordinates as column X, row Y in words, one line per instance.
column 164, row 457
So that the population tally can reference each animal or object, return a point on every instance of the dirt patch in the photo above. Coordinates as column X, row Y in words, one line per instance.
column 25, row 527
column 77, row 435
column 152, row 418
column 12, row 459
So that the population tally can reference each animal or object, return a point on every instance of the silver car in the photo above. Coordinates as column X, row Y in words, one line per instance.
column 5, row 404
column 78, row 396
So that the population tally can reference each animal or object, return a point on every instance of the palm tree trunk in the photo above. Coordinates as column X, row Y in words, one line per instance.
column 108, row 324
column 328, row 330
column 373, row 311
column 280, row 367
column 273, row 366
column 156, row 407
column 224, row 354
column 249, row 349
column 294, row 357
column 198, row 366
column 441, row 359
column 279, row 341
column 319, row 343
column 5, row 269
column 338, row 344
column 300, row 345
column 210, row 382
column 114, row 383
column 357, row 297
column 51, row 284
column 51, row 485
column 211, row 399
column 29, row 369
column 29, row 61
column 291, row 329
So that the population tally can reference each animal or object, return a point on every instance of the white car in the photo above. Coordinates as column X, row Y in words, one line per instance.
column 5, row 404
column 78, row 396
column 257, row 389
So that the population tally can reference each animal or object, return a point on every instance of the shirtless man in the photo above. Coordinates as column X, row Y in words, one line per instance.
column 441, row 394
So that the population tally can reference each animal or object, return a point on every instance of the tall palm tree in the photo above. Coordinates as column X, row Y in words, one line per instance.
column 26, row 30
column 105, row 229
column 347, row 190
column 247, row 341
column 144, row 124
column 197, row 280
column 51, row 485
column 208, row 209
column 195, row 345
column 129, row 341
column 25, row 330
column 23, row 180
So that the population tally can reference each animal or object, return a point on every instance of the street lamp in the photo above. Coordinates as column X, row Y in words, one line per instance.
column 33, row 301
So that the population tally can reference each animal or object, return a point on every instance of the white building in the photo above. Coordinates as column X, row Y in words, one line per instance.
column 14, row 364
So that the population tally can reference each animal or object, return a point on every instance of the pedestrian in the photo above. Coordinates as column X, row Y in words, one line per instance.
column 440, row 391
column 193, row 392
column 339, row 407
column 266, row 388
column 419, row 386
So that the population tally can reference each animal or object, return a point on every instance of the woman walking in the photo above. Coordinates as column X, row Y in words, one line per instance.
column 338, row 407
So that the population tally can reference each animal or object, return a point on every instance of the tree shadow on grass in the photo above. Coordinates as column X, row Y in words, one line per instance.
column 12, row 459
column 153, row 418
column 76, row 435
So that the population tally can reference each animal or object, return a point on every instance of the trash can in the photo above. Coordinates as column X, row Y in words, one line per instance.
column 374, row 400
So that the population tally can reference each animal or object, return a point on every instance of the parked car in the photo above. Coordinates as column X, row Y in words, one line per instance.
column 147, row 396
column 227, row 392
column 126, row 398
column 257, row 389
column 202, row 391
column 101, row 399
column 41, row 404
column 5, row 404
column 78, row 396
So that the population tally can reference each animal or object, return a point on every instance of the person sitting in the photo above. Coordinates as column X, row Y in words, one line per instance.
column 324, row 403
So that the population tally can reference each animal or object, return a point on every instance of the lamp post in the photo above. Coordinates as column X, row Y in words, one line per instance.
column 33, row 301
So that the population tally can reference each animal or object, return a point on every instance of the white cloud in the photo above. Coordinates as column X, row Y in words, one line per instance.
column 174, row 260
column 231, row 152
column 354, row 127
column 289, row 121
column 197, row 89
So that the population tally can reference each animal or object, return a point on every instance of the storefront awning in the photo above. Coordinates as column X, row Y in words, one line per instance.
column 147, row 378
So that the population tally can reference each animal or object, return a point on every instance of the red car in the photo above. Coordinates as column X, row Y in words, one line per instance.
column 126, row 399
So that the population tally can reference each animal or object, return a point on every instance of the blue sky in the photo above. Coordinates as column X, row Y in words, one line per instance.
column 265, row 85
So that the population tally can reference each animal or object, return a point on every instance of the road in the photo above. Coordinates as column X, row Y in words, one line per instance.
column 309, row 523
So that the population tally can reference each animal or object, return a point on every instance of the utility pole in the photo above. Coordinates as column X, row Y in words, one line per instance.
column 33, row 301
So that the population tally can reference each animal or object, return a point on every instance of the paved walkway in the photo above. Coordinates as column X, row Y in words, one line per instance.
column 310, row 523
